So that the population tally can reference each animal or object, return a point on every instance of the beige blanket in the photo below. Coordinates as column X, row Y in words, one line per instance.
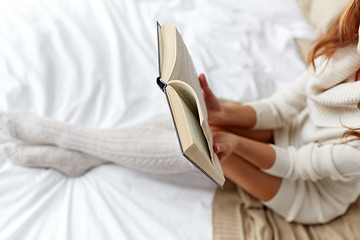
column 237, row 215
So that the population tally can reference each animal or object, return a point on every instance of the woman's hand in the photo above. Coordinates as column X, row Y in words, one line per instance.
column 224, row 144
column 260, row 154
column 216, row 109
column 223, row 114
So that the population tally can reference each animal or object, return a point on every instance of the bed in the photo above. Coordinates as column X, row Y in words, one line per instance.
column 93, row 63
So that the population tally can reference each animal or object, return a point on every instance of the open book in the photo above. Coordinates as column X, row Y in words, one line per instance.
column 179, row 81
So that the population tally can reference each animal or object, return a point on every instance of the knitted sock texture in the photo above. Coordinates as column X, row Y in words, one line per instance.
column 151, row 146
column 70, row 163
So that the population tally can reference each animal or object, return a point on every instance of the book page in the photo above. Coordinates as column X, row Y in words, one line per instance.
column 188, row 121
column 160, row 48
column 185, row 91
column 186, row 102
column 191, row 137
column 188, row 93
column 184, row 70
column 178, row 65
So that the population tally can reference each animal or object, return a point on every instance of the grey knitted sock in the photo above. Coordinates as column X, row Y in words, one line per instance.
column 151, row 146
column 71, row 163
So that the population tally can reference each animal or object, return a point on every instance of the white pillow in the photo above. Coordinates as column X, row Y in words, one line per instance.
column 320, row 13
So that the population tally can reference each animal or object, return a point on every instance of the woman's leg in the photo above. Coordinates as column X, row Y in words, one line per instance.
column 151, row 146
column 265, row 136
column 256, row 182
column 70, row 163
column 246, row 173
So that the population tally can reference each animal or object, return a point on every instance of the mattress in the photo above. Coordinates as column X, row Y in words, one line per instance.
column 93, row 63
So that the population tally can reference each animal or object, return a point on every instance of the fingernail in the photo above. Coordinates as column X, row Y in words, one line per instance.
column 216, row 149
column 220, row 157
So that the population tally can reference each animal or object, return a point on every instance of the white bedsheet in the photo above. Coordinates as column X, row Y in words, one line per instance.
column 93, row 63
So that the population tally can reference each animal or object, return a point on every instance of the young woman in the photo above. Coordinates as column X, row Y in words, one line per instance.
column 290, row 151
column 295, row 157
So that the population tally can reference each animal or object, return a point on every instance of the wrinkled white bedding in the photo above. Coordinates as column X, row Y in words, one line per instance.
column 93, row 63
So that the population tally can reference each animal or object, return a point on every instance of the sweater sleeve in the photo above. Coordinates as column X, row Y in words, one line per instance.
column 282, row 107
column 315, row 161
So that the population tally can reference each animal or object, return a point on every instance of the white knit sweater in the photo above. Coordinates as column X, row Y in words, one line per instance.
column 309, row 118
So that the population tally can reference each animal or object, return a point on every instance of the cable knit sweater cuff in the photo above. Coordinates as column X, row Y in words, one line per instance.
column 264, row 113
column 282, row 163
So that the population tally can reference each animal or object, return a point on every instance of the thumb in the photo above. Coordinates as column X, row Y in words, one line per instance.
column 223, row 150
column 212, row 103
column 204, row 85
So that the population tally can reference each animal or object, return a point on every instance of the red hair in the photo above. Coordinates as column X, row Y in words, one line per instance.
column 341, row 33
column 344, row 31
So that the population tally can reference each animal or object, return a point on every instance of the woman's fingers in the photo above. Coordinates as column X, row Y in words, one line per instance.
column 212, row 103
column 223, row 144
column 223, row 150
column 202, row 80
column 205, row 87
